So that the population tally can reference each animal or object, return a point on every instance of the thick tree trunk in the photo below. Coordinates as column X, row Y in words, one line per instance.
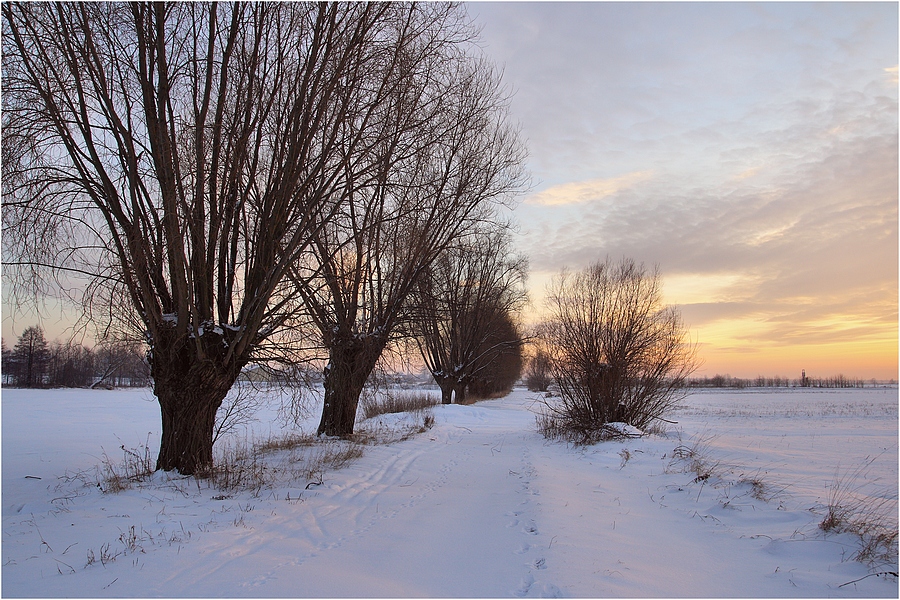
column 446, row 386
column 459, row 390
column 190, row 389
column 351, row 362
column 188, row 421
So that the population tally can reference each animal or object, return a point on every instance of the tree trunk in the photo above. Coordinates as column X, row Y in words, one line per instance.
column 351, row 362
column 190, row 389
column 446, row 386
column 460, row 392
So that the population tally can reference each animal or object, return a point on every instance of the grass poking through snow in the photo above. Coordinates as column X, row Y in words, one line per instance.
column 390, row 403
column 856, row 506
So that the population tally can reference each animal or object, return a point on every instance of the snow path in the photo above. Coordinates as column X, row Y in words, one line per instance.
column 390, row 520
column 478, row 506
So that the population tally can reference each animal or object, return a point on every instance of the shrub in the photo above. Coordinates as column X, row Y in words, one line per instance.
column 616, row 352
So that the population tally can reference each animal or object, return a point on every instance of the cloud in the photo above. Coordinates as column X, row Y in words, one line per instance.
column 753, row 148
column 803, row 254
column 586, row 191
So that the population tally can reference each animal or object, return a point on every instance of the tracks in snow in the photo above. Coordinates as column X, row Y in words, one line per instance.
column 419, row 517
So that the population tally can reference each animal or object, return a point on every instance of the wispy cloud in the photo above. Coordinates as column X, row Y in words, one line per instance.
column 587, row 191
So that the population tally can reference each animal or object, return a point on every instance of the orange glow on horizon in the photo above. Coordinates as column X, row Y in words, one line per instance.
column 762, row 341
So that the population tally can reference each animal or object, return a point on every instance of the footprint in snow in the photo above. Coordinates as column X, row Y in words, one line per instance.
column 548, row 590
column 524, row 586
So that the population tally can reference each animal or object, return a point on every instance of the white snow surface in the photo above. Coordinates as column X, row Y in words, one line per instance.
column 480, row 505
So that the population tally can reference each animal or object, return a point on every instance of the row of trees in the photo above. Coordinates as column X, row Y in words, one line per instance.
column 33, row 363
column 264, row 183
column 727, row 381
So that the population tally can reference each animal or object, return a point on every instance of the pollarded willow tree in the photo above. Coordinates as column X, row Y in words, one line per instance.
column 465, row 304
column 446, row 156
column 617, row 353
column 186, row 156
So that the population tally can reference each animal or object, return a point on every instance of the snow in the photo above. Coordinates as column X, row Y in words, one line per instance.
column 479, row 505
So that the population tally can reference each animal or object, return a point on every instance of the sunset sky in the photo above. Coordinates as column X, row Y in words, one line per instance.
column 749, row 150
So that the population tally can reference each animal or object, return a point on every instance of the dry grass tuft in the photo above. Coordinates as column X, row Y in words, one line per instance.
column 136, row 466
column 695, row 457
column 855, row 507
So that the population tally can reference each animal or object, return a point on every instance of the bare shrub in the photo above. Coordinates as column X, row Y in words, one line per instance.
column 617, row 353
column 554, row 428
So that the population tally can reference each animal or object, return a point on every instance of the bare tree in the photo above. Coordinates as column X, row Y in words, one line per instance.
column 538, row 375
column 70, row 365
column 182, row 157
column 6, row 365
column 617, row 353
column 30, row 358
column 500, row 365
column 445, row 156
column 463, row 307
column 120, row 363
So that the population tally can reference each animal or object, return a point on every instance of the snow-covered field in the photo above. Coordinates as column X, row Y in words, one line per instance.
column 478, row 505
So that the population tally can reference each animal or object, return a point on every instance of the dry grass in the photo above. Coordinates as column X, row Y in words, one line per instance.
column 856, row 507
column 241, row 466
column 253, row 467
column 696, row 457
column 389, row 403
column 256, row 465
column 136, row 466
column 373, row 432
column 762, row 490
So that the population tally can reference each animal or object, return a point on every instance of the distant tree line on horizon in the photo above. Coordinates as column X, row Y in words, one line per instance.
column 36, row 363
column 727, row 381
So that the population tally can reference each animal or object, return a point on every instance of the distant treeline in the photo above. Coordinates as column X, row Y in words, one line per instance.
column 727, row 381
column 35, row 363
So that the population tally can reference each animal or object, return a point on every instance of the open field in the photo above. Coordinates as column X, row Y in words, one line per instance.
column 725, row 503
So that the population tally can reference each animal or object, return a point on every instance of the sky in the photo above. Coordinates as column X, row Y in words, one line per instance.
column 748, row 150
